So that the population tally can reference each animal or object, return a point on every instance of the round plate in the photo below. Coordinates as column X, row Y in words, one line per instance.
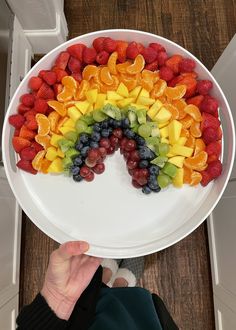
column 116, row 219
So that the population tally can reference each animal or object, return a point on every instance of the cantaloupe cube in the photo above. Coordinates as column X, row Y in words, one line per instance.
column 54, row 139
column 177, row 160
column 162, row 116
column 174, row 131
column 122, row 90
column 74, row 113
column 91, row 95
column 56, row 166
column 82, row 106
column 100, row 101
column 178, row 180
column 181, row 150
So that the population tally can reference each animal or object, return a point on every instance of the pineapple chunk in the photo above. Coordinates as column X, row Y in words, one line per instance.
column 100, row 101
column 174, row 131
column 123, row 103
column 181, row 150
column 65, row 130
column 165, row 140
column 74, row 113
column 90, row 108
column 51, row 153
column 82, row 106
column 91, row 95
column 54, row 139
column 157, row 105
column 113, row 96
column 55, row 166
column 135, row 92
column 60, row 153
column 162, row 116
column 178, row 180
column 139, row 106
column 144, row 93
column 145, row 100
column 163, row 125
column 177, row 161
column 169, row 155
column 181, row 141
column 164, row 132
column 122, row 90
column 69, row 123
column 112, row 102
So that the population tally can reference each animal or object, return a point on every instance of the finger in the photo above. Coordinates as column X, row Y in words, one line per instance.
column 70, row 249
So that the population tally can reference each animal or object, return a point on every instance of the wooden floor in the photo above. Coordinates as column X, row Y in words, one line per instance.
column 181, row 273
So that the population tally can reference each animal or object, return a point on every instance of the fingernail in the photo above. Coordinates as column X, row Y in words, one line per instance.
column 84, row 246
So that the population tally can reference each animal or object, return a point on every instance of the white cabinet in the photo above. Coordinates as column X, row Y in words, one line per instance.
column 8, row 314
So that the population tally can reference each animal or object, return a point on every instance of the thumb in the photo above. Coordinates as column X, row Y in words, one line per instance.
column 70, row 249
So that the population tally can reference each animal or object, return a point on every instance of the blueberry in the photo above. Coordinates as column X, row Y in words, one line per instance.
column 104, row 124
column 95, row 136
column 111, row 122
column 125, row 123
column 84, row 137
column 77, row 178
column 146, row 153
column 129, row 133
column 110, row 129
column 79, row 146
column 94, row 144
column 152, row 182
column 146, row 190
column 143, row 164
column 154, row 169
column 152, row 186
column 78, row 161
column 105, row 133
column 140, row 141
column 74, row 170
column 96, row 127
column 117, row 123
column 84, row 151
column 152, row 178
column 156, row 190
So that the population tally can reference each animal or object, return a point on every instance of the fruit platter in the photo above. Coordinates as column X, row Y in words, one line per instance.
column 121, row 138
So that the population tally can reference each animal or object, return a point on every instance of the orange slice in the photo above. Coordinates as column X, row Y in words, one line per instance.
column 194, row 112
column 175, row 93
column 173, row 110
column 105, row 88
column 195, row 129
column 150, row 75
column 122, row 67
column 89, row 72
column 44, row 165
column 184, row 132
column 196, row 178
column 37, row 161
column 105, row 76
column 137, row 66
column 81, row 91
column 187, row 175
column 186, row 121
column 69, row 82
column 130, row 81
column 44, row 141
column 66, row 94
column 190, row 142
column 112, row 63
column 199, row 146
column 180, row 105
column 43, row 124
column 147, row 84
column 197, row 162
column 58, row 107
column 53, row 118
column 158, row 89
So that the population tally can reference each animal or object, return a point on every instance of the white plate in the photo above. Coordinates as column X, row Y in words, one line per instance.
column 116, row 219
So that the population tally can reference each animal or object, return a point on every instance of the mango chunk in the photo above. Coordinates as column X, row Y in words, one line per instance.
column 157, row 105
column 139, row 106
column 182, row 140
column 163, row 125
column 177, row 160
column 111, row 95
column 69, row 123
column 74, row 113
column 123, row 103
column 65, row 130
column 174, row 131
column 135, row 92
column 56, row 166
column 51, row 153
column 54, row 139
column 110, row 102
column 164, row 132
column 82, row 106
column 100, row 100
column 162, row 116
column 122, row 90
column 145, row 100
column 144, row 93
column 91, row 95
column 165, row 140
column 181, row 150
column 178, row 180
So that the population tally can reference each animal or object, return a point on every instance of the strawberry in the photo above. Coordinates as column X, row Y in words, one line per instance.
column 161, row 58
column 19, row 143
column 30, row 113
column 209, row 135
column 166, row 73
column 173, row 63
column 132, row 50
column 213, row 148
column 191, row 74
column 209, row 105
column 17, row 132
column 196, row 100
column 98, row 44
column 42, row 72
column 45, row 92
column 89, row 55
column 37, row 147
column 22, row 109
column 149, row 54
column 211, row 158
column 28, row 153
column 76, row 51
column 26, row 133
column 102, row 57
column 109, row 45
column 27, row 100
column 152, row 66
column 41, row 106
column 173, row 82
column 209, row 121
column 58, row 88
column 16, row 120
column 187, row 65
column 190, row 83
column 50, row 77
column 206, row 178
column 140, row 47
column 35, row 83
column 77, row 76
column 121, row 48
column 204, row 86
column 214, row 169
column 219, row 133
column 157, row 47
column 60, row 73
column 62, row 60
column 74, row 65
column 31, row 122
column 26, row 165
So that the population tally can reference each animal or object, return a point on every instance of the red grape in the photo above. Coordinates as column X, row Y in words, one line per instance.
column 104, row 142
column 131, row 164
column 99, row 168
column 84, row 171
column 89, row 177
column 134, row 155
column 118, row 133
column 130, row 145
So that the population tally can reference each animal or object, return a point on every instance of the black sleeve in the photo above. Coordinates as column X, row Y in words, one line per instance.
column 164, row 316
column 39, row 316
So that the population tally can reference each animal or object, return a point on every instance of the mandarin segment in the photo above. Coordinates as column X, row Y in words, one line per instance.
column 190, row 142
column 187, row 174
column 194, row 112
column 37, row 161
column 66, row 94
column 175, row 93
column 44, row 141
column 112, row 63
column 81, row 91
column 43, row 124
column 197, row 162
column 195, row 129
column 186, row 121
column 199, row 146
column 53, row 118
column 69, row 82
column 89, row 72
column 158, row 88
column 137, row 66
column 105, row 76
column 173, row 110
column 122, row 67
column 196, row 178
column 58, row 107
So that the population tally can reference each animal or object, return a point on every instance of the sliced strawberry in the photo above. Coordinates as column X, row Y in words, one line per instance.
column 190, row 83
column 45, row 92
column 211, row 158
column 37, row 147
column 206, row 178
column 26, row 165
column 77, row 76
column 28, row 153
column 187, row 65
column 16, row 120
column 35, row 83
column 50, row 77
column 60, row 73
column 158, row 47
column 152, row 66
column 40, row 106
column 22, row 109
column 209, row 135
column 210, row 105
column 196, row 100
column 173, row 63
column 42, row 73
column 209, row 121
column 17, row 132
column 19, row 143
column 30, row 113
column 77, row 51
column 57, row 88
column 74, row 65
column 31, row 122
column 27, row 133
column 27, row 100
column 62, row 60
column 214, row 169
column 214, row 148
column 121, row 47
column 161, row 58
column 89, row 55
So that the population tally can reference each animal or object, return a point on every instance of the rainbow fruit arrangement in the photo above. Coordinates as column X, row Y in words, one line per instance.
column 123, row 95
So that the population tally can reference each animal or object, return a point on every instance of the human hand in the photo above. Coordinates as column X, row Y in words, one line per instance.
column 69, row 273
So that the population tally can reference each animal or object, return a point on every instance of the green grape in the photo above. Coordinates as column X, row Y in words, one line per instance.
column 163, row 180
column 144, row 130
column 81, row 126
column 163, row 149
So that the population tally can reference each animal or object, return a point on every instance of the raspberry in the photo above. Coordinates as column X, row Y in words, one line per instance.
column 50, row 77
column 102, row 57
column 35, row 83
column 74, row 65
column 213, row 148
column 41, row 106
column 132, row 51
column 206, row 178
column 77, row 76
column 98, row 44
column 152, row 66
column 157, row 47
column 187, row 65
column 209, row 105
column 42, row 72
column 89, row 55
column 166, row 73
column 109, row 45
column 27, row 100
column 16, row 120
column 214, row 169
column 60, row 73
column 204, row 86
column 161, row 58
column 209, row 135
column 76, row 51
column 149, row 54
